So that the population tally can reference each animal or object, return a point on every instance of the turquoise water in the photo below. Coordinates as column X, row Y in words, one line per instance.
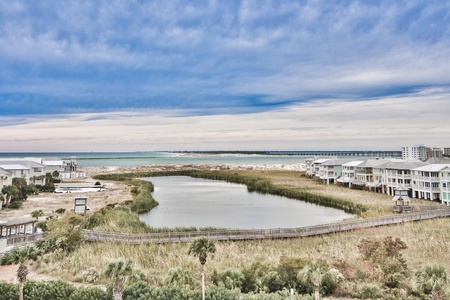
column 193, row 202
column 98, row 159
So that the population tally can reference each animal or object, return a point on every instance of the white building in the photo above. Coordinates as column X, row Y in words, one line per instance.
column 35, row 173
column 399, row 175
column 445, row 186
column 349, row 172
column 427, row 181
column 5, row 178
column 414, row 152
column 330, row 170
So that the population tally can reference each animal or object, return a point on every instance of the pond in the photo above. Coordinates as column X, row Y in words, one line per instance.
column 193, row 202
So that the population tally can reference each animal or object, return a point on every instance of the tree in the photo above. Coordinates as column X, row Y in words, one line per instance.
column 433, row 280
column 200, row 248
column 37, row 213
column 10, row 191
column 118, row 271
column 317, row 272
column 20, row 255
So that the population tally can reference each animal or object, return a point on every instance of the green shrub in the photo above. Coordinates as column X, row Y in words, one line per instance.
column 89, row 293
column 9, row 291
column 369, row 291
column 44, row 290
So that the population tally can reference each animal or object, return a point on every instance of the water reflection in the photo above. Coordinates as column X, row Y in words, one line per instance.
column 192, row 202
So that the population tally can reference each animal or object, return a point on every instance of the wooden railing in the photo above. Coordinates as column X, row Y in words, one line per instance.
column 277, row 233
column 23, row 239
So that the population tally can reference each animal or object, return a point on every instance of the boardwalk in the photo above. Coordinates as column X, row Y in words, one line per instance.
column 278, row 233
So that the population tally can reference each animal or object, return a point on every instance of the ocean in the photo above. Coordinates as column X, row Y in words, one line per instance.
column 123, row 159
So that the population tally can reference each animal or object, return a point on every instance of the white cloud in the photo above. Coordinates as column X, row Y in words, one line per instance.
column 386, row 123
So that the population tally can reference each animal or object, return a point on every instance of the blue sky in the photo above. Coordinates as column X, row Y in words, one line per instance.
column 223, row 75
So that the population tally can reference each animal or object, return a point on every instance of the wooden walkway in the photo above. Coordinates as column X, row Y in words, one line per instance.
column 278, row 233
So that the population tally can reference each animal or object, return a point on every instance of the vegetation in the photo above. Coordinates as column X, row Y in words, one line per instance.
column 20, row 255
column 201, row 248
column 372, row 263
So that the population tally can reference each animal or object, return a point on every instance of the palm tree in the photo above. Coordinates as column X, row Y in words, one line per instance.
column 20, row 255
column 9, row 191
column 118, row 271
column 314, row 272
column 432, row 280
column 37, row 213
column 200, row 248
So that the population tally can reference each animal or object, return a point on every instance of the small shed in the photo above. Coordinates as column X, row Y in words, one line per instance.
column 80, row 204
column 402, row 200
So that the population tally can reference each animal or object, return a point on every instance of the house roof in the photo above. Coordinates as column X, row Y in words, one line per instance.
column 23, row 162
column 13, row 167
column 432, row 167
column 371, row 163
column 321, row 161
column 353, row 163
column 336, row 162
column 4, row 172
column 405, row 165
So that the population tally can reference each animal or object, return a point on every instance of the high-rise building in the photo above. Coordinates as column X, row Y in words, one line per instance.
column 414, row 152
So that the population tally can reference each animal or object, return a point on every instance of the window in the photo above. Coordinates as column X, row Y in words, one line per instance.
column 435, row 184
column 444, row 184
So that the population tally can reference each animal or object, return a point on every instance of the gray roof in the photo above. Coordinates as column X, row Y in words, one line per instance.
column 336, row 162
column 13, row 167
column 432, row 168
column 405, row 165
column 27, row 163
column 372, row 163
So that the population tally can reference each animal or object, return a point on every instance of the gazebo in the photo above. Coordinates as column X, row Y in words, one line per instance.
column 402, row 200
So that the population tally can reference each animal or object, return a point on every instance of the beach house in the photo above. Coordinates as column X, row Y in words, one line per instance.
column 348, row 172
column 331, row 169
column 32, row 171
column 399, row 175
column 427, row 181
column 445, row 185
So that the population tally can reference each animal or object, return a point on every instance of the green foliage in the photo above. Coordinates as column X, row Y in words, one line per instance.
column 60, row 211
column 229, row 279
column 142, row 201
column 254, row 277
column 179, row 277
column 288, row 269
column 138, row 291
column 222, row 293
column 18, row 255
column 8, row 291
column 431, row 279
column 89, row 293
column 369, row 291
column 44, row 290
column 37, row 213
column 201, row 248
column 68, row 229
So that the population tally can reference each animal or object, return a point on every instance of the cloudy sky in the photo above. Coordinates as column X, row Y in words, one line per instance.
column 223, row 75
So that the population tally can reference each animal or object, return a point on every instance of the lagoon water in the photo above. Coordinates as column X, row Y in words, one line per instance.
column 192, row 202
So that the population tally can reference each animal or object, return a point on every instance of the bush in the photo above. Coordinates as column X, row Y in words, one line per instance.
column 8, row 291
column 55, row 290
column 89, row 293
column 369, row 291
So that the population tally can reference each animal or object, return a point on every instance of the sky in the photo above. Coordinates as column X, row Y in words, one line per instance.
column 138, row 75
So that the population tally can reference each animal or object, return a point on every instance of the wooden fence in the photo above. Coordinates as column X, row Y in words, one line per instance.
column 277, row 233
column 23, row 239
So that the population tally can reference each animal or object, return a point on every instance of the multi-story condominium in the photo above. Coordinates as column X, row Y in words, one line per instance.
column 315, row 166
column 399, row 175
column 445, row 186
column 349, row 172
column 414, row 152
column 365, row 175
column 427, row 181
column 330, row 170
